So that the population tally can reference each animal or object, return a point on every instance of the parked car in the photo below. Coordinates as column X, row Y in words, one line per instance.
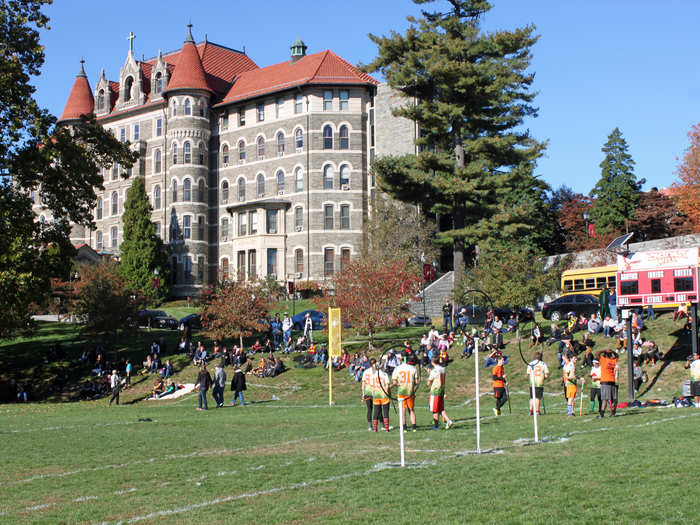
column 477, row 314
column 194, row 321
column 579, row 304
column 418, row 320
column 157, row 319
column 318, row 319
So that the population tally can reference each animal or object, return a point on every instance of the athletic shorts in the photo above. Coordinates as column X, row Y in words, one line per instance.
column 695, row 388
column 539, row 391
column 380, row 401
column 570, row 391
column 409, row 402
column 366, row 398
column 608, row 392
column 437, row 404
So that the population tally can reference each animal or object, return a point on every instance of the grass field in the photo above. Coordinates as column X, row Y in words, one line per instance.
column 289, row 458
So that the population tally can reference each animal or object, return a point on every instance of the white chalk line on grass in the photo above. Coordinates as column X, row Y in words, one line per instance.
column 88, row 425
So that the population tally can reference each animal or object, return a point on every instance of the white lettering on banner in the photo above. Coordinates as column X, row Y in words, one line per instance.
column 655, row 275
column 685, row 272
column 653, row 299
column 654, row 260
column 629, row 277
column 680, row 297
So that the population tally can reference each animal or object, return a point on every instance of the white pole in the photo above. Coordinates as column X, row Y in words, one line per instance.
column 476, row 380
column 403, row 454
column 534, row 401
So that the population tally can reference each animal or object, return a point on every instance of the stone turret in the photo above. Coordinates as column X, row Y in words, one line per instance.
column 80, row 101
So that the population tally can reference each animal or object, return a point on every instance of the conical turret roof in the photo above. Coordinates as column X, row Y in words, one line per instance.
column 189, row 73
column 80, row 101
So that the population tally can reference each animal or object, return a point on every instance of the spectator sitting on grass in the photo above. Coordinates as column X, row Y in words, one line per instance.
column 608, row 327
column 554, row 334
column 182, row 346
column 511, row 324
column 468, row 346
column 593, row 325
column 257, row 347
column 158, row 387
column 536, row 336
column 170, row 387
column 651, row 352
column 302, row 344
column 496, row 323
column 147, row 365
column 167, row 370
column 155, row 364
column 321, row 356
column 364, row 365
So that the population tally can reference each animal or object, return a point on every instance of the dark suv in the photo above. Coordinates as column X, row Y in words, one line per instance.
column 578, row 303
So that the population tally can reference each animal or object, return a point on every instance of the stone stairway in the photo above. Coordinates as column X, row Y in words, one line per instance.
column 435, row 294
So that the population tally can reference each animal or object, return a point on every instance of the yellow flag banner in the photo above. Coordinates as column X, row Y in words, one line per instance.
column 334, row 330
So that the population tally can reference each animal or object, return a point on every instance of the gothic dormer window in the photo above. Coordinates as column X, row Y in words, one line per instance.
column 159, row 82
column 101, row 100
column 128, row 89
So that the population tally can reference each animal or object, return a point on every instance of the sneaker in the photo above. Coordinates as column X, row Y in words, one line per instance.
column 414, row 429
column 448, row 425
column 369, row 428
column 599, row 416
column 495, row 412
column 434, row 427
column 200, row 408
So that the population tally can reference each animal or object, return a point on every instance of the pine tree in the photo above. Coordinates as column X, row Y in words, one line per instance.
column 617, row 192
column 142, row 251
column 468, row 92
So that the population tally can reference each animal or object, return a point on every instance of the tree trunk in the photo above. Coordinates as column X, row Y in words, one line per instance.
column 458, row 219
column 240, row 339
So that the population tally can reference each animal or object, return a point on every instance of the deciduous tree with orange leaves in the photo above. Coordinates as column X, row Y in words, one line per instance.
column 687, row 190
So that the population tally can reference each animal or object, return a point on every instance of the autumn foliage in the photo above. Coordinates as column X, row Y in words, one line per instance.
column 371, row 293
column 235, row 309
column 687, row 190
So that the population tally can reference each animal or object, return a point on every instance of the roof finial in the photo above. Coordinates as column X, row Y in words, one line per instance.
column 82, row 69
column 130, row 38
column 189, row 33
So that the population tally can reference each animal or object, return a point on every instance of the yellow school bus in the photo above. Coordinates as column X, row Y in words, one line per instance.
column 588, row 280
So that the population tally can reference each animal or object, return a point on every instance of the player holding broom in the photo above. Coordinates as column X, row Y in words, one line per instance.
column 570, row 380
column 436, row 383
column 367, row 376
column 381, row 390
column 404, row 377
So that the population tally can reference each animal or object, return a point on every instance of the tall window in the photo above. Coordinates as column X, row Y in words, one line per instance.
column 252, row 265
column 188, row 107
column 241, row 189
column 253, row 220
column 224, row 269
column 200, row 269
column 137, row 131
column 272, row 261
column 299, row 177
column 271, row 219
column 278, row 107
column 327, row 137
column 157, row 162
column 174, row 153
column 174, row 199
column 344, row 99
column 187, row 190
column 261, row 185
column 200, row 228
column 115, row 171
column 187, row 150
column 242, row 224
column 224, row 192
column 328, row 100
column 159, row 82
column 344, row 258
column 280, row 182
column 157, row 225
column 98, row 212
column 115, row 203
column 299, row 260
column 224, row 154
column 241, row 117
column 241, row 265
column 344, row 175
column 299, row 218
column 224, row 120
column 115, row 236
column 99, row 242
column 344, row 216
column 298, row 104
column 328, row 256
column 344, row 137
column 187, row 226
column 159, row 127
column 261, row 112
column 261, row 148
column 128, row 84
column 328, row 217
column 202, row 107
column 299, row 139
column 328, row 176
column 202, row 191
column 202, row 152
column 156, row 197
column 280, row 144
column 224, row 229
column 241, row 151
column 173, row 109
column 101, row 100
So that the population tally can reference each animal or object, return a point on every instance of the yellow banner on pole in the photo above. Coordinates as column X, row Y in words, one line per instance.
column 334, row 331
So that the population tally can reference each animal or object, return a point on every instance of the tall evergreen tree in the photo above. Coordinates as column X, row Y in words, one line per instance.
column 469, row 92
column 142, row 251
column 617, row 192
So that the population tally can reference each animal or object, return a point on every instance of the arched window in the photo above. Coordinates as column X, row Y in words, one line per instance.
column 174, row 191
column 299, row 260
column 202, row 191
column 241, row 151
column 280, row 182
column 299, row 177
column 115, row 236
column 157, row 163
column 187, row 152
column 344, row 175
column 159, row 82
column 98, row 213
column 261, row 185
column 299, row 139
column 224, row 154
column 115, row 203
column 187, row 190
column 327, row 137
column 261, row 148
column 280, row 144
column 173, row 109
column 128, row 84
column 202, row 107
column 188, row 107
column 156, row 197
column 241, row 189
column 99, row 246
column 202, row 152
column 344, row 137
column 328, row 176
column 224, row 192
column 174, row 153
column 101, row 100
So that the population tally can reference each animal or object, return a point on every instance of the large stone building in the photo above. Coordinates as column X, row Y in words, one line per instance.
column 251, row 171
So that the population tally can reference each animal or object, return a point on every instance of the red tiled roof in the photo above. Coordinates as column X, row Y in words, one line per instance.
column 189, row 72
column 80, row 100
column 320, row 68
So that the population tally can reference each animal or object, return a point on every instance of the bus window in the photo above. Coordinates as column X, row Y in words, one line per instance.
column 611, row 282
column 600, row 282
column 568, row 285
column 629, row 287
column 683, row 284
column 590, row 283
column 578, row 284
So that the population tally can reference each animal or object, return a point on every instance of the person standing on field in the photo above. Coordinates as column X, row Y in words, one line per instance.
column 219, row 385
column 367, row 392
column 447, row 315
column 498, row 376
column 436, row 383
column 238, row 386
column 381, row 389
column 537, row 372
column 608, row 381
column 595, row 386
column 203, row 382
column 693, row 366
column 116, row 385
column 570, row 382
column 309, row 329
column 404, row 377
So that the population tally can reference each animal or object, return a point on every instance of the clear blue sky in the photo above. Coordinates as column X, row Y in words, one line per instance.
column 599, row 63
